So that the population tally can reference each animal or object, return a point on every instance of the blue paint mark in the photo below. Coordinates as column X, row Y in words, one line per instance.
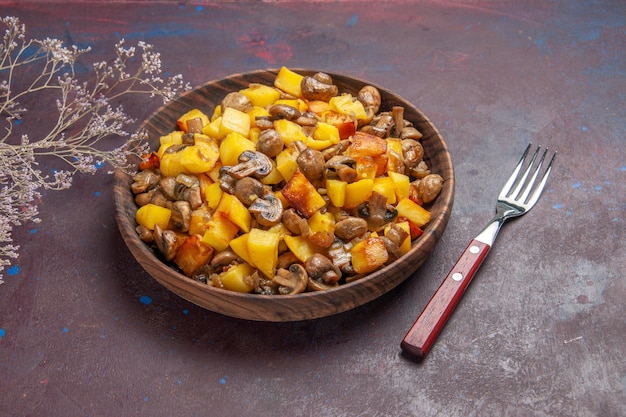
column 222, row 381
column 146, row 399
column 353, row 19
column 557, row 206
column 577, row 185
column 97, row 193
column 186, row 312
column 584, row 128
column 18, row 122
column 2, row 332
column 144, row 299
column 33, row 231
column 13, row 270
column 99, row 164
column 198, row 8
column 623, row 168
column 65, row 330
column 598, row 187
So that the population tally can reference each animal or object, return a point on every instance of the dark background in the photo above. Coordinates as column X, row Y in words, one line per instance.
column 541, row 332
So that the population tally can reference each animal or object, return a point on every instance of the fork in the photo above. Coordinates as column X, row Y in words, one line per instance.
column 512, row 202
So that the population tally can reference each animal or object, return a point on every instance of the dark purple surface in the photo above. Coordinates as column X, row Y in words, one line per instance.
column 541, row 332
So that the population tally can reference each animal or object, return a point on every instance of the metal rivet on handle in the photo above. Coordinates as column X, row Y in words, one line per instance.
column 474, row 249
column 457, row 276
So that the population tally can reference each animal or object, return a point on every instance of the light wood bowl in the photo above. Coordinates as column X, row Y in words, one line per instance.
column 303, row 306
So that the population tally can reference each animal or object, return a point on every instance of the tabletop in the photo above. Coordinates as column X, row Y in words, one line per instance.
column 85, row 331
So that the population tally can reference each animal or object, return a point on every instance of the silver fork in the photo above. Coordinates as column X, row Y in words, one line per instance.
column 512, row 202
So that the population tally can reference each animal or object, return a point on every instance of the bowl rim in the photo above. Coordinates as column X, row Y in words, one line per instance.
column 431, row 232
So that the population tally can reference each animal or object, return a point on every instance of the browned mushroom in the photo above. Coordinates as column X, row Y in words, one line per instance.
column 322, row 269
column 339, row 253
column 248, row 189
column 270, row 142
column 350, row 227
column 377, row 212
column 195, row 125
column 227, row 182
column 429, row 187
column 238, row 101
column 263, row 122
column 251, row 163
column 413, row 152
column 396, row 234
column 144, row 234
column 267, row 210
column 311, row 163
column 410, row 132
column 369, row 96
column 223, row 259
column 144, row 181
column 318, row 87
column 397, row 113
column 284, row 111
column 393, row 250
column 167, row 241
column 295, row 223
column 181, row 215
column 291, row 281
column 342, row 167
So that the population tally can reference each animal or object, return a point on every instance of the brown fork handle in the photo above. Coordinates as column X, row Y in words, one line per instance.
column 428, row 325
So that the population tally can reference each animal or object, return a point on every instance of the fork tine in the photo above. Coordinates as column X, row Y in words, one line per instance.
column 535, row 196
column 511, row 181
column 529, row 186
column 515, row 194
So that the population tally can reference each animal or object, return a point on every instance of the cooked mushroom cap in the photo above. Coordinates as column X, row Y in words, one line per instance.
column 238, row 101
column 166, row 241
column 350, row 228
column 284, row 111
column 413, row 152
column 322, row 269
column 319, row 87
column 270, row 142
column 311, row 162
column 181, row 215
column 251, row 163
column 145, row 180
column 291, row 281
column 267, row 210
column 248, row 189
column 429, row 187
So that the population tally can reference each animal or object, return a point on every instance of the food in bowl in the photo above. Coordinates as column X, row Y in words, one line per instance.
column 286, row 188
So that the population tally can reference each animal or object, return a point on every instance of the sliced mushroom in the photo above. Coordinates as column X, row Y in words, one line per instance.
column 393, row 250
column 144, row 181
column 251, row 163
column 350, row 227
column 284, row 111
column 342, row 167
column 263, row 122
column 286, row 259
column 270, row 142
column 248, row 189
column 238, row 101
column 421, row 170
column 181, row 215
column 396, row 234
column 322, row 269
column 190, row 138
column 318, row 87
column 144, row 234
column 167, row 241
column 267, row 210
column 227, row 182
column 311, row 163
column 291, row 281
column 295, row 223
column 377, row 212
column 223, row 259
column 195, row 125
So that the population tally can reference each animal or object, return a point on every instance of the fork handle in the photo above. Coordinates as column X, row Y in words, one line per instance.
column 421, row 336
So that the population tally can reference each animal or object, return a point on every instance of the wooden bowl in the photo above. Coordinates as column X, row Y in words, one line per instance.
column 310, row 305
